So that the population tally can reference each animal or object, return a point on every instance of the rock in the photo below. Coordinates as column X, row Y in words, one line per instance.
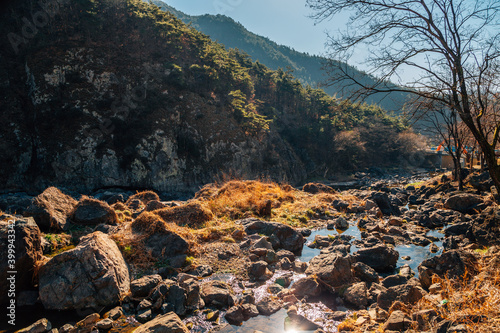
column 66, row 328
column 315, row 188
column 201, row 270
column 420, row 240
column 486, row 227
column 177, row 298
column 115, row 313
column 364, row 272
column 286, row 254
column 154, row 205
column 381, row 258
column 249, row 311
column 167, row 323
column 398, row 321
column 93, row 212
column 144, row 197
column 51, row 209
column 27, row 252
column 463, row 202
column 463, row 228
column 86, row 324
column 41, row 326
column 213, row 315
column 331, row 268
column 104, row 324
column 143, row 286
column 92, row 275
column 193, row 296
column 306, row 286
column 341, row 223
column 423, row 318
column 234, row 315
column 433, row 248
column 281, row 235
column 394, row 280
column 275, row 288
column 217, row 293
column 384, row 203
column 481, row 182
column 357, row 295
column 262, row 243
column 268, row 306
column 258, row 271
column 406, row 294
column 452, row 264
column 286, row 264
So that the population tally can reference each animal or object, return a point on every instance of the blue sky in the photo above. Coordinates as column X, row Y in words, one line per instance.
column 284, row 21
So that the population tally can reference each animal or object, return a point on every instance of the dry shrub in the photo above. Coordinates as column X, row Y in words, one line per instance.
column 474, row 302
column 236, row 199
column 145, row 197
column 119, row 206
column 192, row 214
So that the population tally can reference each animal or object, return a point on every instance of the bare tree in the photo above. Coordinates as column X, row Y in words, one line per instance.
column 452, row 46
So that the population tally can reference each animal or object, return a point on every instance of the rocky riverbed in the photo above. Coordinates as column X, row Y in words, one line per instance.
column 249, row 256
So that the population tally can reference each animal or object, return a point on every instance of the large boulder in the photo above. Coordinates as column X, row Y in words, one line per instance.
column 217, row 293
column 463, row 202
column 92, row 275
column 381, row 258
column 331, row 268
column 281, row 235
column 51, row 209
column 486, row 227
column 453, row 264
column 357, row 295
column 93, row 212
column 167, row 323
column 404, row 293
column 19, row 254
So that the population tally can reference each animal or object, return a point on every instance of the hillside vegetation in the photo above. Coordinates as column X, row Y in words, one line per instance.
column 125, row 94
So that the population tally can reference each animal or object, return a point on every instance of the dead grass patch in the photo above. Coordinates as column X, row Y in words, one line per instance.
column 193, row 214
column 144, row 197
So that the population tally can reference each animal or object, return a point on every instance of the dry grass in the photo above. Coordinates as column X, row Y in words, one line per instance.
column 144, row 197
column 474, row 301
column 193, row 214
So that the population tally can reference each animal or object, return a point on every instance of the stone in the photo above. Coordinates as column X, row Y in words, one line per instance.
column 341, row 223
column 93, row 212
column 249, row 311
column 384, row 203
column 282, row 236
column 115, row 313
column 104, row 324
column 217, row 293
column 27, row 253
column 234, row 315
column 423, row 318
column 463, row 202
column 258, row 271
column 92, row 275
column 167, row 323
column 143, row 286
column 308, row 286
column 286, row 254
column 51, row 209
column 394, row 280
column 452, row 264
column 398, row 321
column 381, row 258
column 201, row 270
column 406, row 293
column 364, row 272
column 357, row 295
column 268, row 306
column 193, row 296
column 40, row 326
column 154, row 205
column 177, row 298
column 331, row 268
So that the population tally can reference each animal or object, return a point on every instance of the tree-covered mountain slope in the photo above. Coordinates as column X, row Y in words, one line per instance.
column 309, row 69
column 120, row 93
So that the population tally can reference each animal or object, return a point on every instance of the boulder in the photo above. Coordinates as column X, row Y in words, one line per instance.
column 234, row 315
column 26, row 252
column 452, row 264
column 144, row 197
column 357, row 295
column 341, row 223
column 463, row 202
column 308, row 286
column 268, row 306
column 93, row 212
column 41, row 326
column 481, row 182
column 92, row 275
column 258, row 271
column 217, row 293
column 143, row 286
column 51, row 209
column 364, row 272
column 398, row 321
column 381, row 258
column 331, row 268
column 384, row 203
column 281, row 235
column 167, row 323
column 405, row 293
column 486, row 227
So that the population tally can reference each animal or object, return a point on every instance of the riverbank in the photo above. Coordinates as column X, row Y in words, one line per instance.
column 398, row 254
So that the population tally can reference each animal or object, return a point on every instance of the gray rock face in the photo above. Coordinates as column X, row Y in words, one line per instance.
column 92, row 275
column 144, row 286
column 93, row 212
column 452, row 264
column 380, row 258
column 167, row 323
column 217, row 293
column 306, row 286
column 331, row 268
column 364, row 272
column 281, row 235
column 27, row 249
column 357, row 295
column 51, row 209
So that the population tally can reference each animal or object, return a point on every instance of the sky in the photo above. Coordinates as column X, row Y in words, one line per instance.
column 285, row 22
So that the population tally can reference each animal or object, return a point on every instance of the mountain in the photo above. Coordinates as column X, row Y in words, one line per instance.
column 309, row 69
column 104, row 93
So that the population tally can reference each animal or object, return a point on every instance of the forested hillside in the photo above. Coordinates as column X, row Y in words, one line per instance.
column 125, row 94
column 309, row 69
